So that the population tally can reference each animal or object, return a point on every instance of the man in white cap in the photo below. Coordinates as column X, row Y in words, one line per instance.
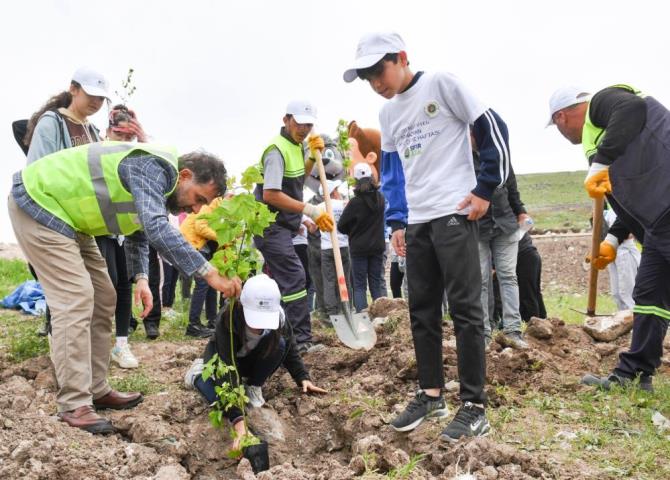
column 429, row 181
column 626, row 137
column 283, row 166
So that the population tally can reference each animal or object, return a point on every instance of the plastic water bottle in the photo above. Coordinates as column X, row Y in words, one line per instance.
column 524, row 227
column 402, row 263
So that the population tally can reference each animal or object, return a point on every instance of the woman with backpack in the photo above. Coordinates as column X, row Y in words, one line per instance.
column 62, row 122
column 363, row 221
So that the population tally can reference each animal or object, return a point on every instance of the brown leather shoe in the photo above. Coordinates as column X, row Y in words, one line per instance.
column 118, row 400
column 86, row 419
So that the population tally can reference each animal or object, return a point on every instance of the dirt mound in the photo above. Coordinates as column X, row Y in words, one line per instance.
column 341, row 435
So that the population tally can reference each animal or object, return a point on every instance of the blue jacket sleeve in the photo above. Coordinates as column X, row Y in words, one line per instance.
column 492, row 139
column 393, row 188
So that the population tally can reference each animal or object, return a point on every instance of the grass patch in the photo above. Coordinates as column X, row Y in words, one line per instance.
column 556, row 200
column 12, row 274
column 18, row 336
column 137, row 381
column 560, row 305
column 610, row 431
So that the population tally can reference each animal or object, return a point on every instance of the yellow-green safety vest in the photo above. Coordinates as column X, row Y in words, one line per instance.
column 81, row 186
column 592, row 135
column 292, row 182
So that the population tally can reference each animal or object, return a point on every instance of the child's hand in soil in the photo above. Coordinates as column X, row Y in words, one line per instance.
column 309, row 387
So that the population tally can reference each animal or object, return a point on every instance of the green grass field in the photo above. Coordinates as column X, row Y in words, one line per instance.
column 556, row 201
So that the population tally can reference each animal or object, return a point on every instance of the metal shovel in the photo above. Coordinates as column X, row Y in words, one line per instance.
column 354, row 329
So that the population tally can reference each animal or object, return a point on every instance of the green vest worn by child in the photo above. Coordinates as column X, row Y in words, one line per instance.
column 292, row 183
column 81, row 186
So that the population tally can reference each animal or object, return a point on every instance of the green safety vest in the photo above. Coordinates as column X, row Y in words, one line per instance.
column 292, row 183
column 81, row 186
column 294, row 162
column 592, row 135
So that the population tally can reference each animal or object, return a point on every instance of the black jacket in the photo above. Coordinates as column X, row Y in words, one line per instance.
column 506, row 206
column 363, row 221
column 220, row 344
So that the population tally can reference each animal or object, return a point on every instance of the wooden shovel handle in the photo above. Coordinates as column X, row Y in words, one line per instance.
column 341, row 282
column 598, row 205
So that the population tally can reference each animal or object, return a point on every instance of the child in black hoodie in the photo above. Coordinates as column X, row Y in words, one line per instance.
column 363, row 221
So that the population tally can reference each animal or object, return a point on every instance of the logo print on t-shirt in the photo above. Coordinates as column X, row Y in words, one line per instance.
column 431, row 109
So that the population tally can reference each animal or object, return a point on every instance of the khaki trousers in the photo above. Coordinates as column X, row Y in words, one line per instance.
column 82, row 301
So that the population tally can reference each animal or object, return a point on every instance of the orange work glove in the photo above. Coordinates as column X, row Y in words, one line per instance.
column 315, row 142
column 597, row 182
column 606, row 254
column 322, row 219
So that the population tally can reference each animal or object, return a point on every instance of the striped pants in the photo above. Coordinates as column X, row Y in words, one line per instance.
column 652, row 306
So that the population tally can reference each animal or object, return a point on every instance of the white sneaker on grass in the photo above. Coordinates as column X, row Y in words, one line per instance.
column 124, row 357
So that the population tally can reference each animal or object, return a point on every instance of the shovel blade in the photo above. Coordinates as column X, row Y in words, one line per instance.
column 356, row 332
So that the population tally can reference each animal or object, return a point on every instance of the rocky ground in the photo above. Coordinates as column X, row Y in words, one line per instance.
column 340, row 435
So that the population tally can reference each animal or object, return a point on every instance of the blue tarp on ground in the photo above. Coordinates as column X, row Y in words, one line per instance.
column 28, row 296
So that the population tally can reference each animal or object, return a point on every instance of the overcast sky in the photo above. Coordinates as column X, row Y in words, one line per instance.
column 217, row 74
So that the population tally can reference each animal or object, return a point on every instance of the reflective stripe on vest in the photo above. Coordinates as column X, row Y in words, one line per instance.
column 294, row 161
column 81, row 186
column 592, row 135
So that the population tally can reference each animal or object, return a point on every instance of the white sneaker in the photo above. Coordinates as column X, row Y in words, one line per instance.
column 169, row 313
column 255, row 395
column 194, row 370
column 124, row 357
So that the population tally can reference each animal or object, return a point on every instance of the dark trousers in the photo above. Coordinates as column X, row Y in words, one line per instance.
column 170, row 276
column 115, row 257
column 205, row 295
column 529, row 274
column 185, row 286
column 367, row 270
column 254, row 366
column 283, row 265
column 443, row 255
column 47, row 312
column 396, row 280
column 154, row 315
column 331, row 290
column 314, row 254
column 303, row 255
column 652, row 306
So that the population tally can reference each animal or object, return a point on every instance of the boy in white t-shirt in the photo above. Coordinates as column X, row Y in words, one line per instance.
column 331, row 292
column 429, row 181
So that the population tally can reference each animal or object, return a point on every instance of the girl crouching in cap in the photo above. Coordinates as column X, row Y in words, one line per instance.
column 262, row 341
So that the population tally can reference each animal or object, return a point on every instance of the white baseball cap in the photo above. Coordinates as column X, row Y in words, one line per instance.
column 566, row 97
column 302, row 110
column 332, row 185
column 261, row 302
column 371, row 48
column 94, row 83
column 362, row 170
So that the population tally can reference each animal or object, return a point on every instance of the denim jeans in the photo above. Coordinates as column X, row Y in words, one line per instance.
column 367, row 270
column 501, row 251
column 256, row 368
